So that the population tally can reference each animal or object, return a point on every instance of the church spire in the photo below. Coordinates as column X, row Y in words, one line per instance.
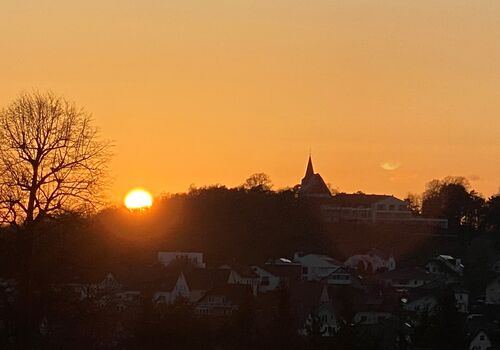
column 309, row 170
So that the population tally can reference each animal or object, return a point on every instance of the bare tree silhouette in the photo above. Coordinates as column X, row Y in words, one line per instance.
column 51, row 162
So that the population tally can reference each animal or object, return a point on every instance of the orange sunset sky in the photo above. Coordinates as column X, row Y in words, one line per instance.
column 204, row 92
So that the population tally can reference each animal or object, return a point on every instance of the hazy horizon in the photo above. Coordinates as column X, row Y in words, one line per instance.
column 387, row 95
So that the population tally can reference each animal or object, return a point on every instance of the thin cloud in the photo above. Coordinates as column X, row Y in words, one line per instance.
column 390, row 165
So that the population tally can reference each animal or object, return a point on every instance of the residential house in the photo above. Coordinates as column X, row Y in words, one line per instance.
column 200, row 281
column 171, row 287
column 224, row 300
column 480, row 341
column 446, row 265
column 274, row 276
column 312, row 304
column 426, row 297
column 492, row 294
column 342, row 276
column 374, row 260
column 316, row 266
column 240, row 274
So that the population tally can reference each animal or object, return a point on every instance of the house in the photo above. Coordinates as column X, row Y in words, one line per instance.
column 341, row 276
column 461, row 298
column 425, row 298
column 273, row 276
column 268, row 281
column 316, row 266
column 445, row 265
column 492, row 293
column 171, row 287
column 366, row 208
column 373, row 305
column 480, row 341
column 223, row 301
column 200, row 281
column 372, row 261
column 192, row 258
column 404, row 278
column 421, row 301
column 239, row 274
column 313, row 308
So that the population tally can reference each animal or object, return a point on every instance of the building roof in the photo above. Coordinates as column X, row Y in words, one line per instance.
column 356, row 200
column 317, row 260
column 313, row 185
column 309, row 170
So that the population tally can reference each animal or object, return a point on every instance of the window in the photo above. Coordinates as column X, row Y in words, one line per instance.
column 481, row 337
column 304, row 270
column 392, row 207
column 381, row 207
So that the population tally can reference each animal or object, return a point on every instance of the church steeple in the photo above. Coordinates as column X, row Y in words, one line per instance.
column 309, row 170
column 312, row 185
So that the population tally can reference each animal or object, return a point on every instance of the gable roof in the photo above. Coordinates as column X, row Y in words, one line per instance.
column 314, row 185
column 317, row 260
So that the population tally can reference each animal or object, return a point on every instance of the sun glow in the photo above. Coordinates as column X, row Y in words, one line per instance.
column 138, row 199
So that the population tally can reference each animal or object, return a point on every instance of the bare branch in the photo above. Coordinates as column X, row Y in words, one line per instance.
column 51, row 159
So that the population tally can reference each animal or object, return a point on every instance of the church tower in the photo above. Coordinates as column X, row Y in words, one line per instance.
column 313, row 185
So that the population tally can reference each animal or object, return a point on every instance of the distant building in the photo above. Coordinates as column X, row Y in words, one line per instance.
column 313, row 185
column 243, row 275
column 372, row 261
column 359, row 207
column 192, row 258
column 316, row 266
column 446, row 265
column 480, row 341
column 492, row 295
column 313, row 307
column 224, row 300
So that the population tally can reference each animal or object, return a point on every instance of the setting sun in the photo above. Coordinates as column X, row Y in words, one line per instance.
column 138, row 198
